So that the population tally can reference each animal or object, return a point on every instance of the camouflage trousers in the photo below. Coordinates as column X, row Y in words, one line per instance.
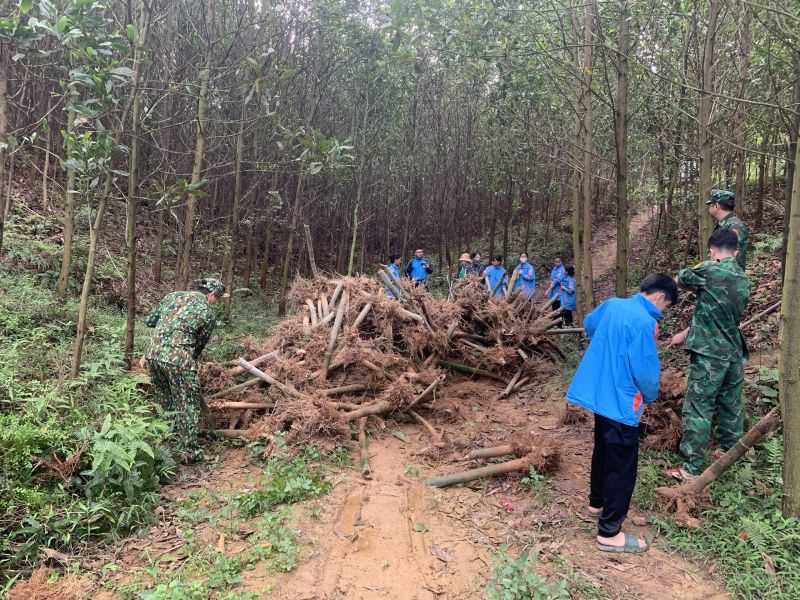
column 715, row 387
column 178, row 392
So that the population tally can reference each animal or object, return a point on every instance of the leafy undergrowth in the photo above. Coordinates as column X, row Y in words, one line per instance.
column 743, row 536
column 80, row 459
column 252, row 526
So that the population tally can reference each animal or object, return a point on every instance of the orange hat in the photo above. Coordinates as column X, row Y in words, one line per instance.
column 465, row 257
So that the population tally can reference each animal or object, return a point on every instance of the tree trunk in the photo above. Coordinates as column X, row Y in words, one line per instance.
column 69, row 211
column 621, row 139
column 588, row 41
column 704, row 127
column 250, row 252
column 789, row 361
column 577, row 216
column 287, row 260
column 46, row 167
column 237, row 201
column 740, row 121
column 132, row 204
column 199, row 148
column 3, row 131
column 791, row 152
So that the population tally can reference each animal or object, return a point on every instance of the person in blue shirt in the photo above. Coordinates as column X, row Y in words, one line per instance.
column 494, row 274
column 567, row 299
column 393, row 260
column 418, row 268
column 556, row 275
column 618, row 375
column 526, row 276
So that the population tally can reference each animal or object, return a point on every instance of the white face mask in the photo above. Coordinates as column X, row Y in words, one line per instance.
column 523, row 259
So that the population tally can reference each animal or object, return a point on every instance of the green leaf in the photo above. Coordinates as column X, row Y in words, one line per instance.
column 252, row 62
column 25, row 6
column 133, row 33
column 122, row 71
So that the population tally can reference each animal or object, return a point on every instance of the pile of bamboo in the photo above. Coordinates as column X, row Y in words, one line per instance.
column 351, row 351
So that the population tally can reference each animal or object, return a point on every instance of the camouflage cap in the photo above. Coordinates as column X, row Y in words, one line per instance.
column 725, row 198
column 213, row 286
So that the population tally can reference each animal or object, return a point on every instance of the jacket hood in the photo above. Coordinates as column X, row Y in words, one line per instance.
column 649, row 307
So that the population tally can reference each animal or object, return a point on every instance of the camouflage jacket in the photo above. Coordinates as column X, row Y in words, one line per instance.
column 733, row 222
column 722, row 293
column 183, row 324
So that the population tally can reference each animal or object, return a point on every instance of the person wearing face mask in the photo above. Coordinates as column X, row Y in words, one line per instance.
column 526, row 276
column 617, row 376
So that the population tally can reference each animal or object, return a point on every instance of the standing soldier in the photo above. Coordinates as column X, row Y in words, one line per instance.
column 721, row 204
column 717, row 352
column 183, row 323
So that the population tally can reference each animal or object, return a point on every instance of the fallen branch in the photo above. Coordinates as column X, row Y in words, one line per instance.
column 345, row 389
column 366, row 470
column 378, row 408
column 467, row 369
column 761, row 315
column 492, row 452
column 337, row 324
column 426, row 392
column 564, row 331
column 238, row 370
column 512, row 383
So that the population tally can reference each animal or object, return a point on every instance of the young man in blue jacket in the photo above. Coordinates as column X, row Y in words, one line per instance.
column 617, row 376
column 418, row 268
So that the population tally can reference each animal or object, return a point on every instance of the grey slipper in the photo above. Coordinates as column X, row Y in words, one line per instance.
column 631, row 546
column 593, row 515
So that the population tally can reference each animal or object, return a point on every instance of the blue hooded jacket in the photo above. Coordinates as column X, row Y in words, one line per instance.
column 418, row 269
column 620, row 371
column 556, row 275
column 492, row 275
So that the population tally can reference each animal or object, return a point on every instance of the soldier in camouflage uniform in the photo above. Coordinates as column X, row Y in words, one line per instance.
column 183, row 322
column 721, row 204
column 717, row 352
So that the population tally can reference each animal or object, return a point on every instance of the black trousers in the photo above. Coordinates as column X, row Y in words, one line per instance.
column 614, row 461
column 568, row 320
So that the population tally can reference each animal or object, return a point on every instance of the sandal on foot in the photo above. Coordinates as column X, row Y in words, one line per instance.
column 680, row 474
column 631, row 546
column 594, row 515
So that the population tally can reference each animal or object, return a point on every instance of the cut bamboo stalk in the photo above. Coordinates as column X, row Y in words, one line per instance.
column 761, row 315
column 467, row 369
column 326, row 319
column 346, row 405
column 519, row 464
column 553, row 314
column 511, row 384
column 319, row 308
column 286, row 389
column 337, row 324
column 246, row 405
column 336, row 293
column 236, row 388
column 389, row 285
column 394, row 278
column 478, row 347
column 345, row 389
column 325, row 306
column 426, row 392
column 366, row 470
column 373, row 367
column 493, row 452
column 522, row 354
column 499, row 284
column 362, row 315
column 548, row 326
column 307, row 326
column 312, row 311
column 510, row 289
column 425, row 314
column 437, row 439
column 565, row 331
column 520, row 383
column 549, row 303
column 255, row 362
column 378, row 408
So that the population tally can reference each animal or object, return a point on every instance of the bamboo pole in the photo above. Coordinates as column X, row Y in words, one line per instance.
column 336, row 293
column 426, row 392
column 245, row 405
column 312, row 311
column 325, row 306
column 373, row 367
column 493, row 452
column 519, row 464
column 512, row 383
column 286, row 389
column 437, row 438
column 510, row 289
column 337, row 324
column 345, row 389
column 362, row 315
column 389, row 285
column 366, row 470
column 467, row 369
column 255, row 362
column 378, row 408
column 231, row 434
column 236, row 388
column 564, row 331
column 761, row 315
